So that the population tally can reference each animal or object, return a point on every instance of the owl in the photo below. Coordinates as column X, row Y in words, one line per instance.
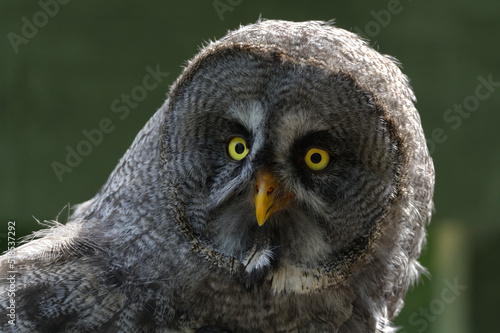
column 284, row 186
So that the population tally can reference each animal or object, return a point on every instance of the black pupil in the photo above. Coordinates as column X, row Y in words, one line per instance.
column 239, row 148
column 316, row 158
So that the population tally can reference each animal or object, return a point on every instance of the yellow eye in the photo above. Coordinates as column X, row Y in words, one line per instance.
column 317, row 159
column 237, row 148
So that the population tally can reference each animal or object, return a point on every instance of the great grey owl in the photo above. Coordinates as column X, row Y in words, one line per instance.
column 284, row 186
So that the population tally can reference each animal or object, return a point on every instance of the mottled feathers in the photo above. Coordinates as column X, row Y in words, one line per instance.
column 180, row 240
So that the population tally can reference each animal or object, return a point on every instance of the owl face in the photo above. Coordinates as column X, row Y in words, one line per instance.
column 279, row 164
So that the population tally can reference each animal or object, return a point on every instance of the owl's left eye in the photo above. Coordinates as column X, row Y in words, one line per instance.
column 317, row 159
column 237, row 148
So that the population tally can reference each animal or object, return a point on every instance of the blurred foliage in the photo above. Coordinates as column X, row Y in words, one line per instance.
column 65, row 77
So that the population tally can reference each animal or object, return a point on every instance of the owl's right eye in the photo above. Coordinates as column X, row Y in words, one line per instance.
column 237, row 148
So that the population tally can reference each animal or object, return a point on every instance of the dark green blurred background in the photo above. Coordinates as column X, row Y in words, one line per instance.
column 63, row 78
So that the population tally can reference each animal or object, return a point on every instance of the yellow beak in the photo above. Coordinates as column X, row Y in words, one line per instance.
column 266, row 199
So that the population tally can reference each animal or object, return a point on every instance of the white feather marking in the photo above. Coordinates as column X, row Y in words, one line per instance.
column 258, row 259
column 295, row 279
column 250, row 115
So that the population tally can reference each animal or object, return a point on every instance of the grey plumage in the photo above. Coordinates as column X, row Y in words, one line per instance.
column 171, row 242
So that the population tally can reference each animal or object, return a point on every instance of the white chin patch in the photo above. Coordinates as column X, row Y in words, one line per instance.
column 258, row 259
column 293, row 279
column 287, row 278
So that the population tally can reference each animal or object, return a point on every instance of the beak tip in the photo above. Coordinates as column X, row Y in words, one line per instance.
column 265, row 200
column 261, row 219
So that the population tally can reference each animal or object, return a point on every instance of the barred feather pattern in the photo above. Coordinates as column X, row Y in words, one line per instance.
column 170, row 242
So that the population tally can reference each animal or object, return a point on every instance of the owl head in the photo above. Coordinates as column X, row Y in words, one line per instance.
column 295, row 156
column 288, row 157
